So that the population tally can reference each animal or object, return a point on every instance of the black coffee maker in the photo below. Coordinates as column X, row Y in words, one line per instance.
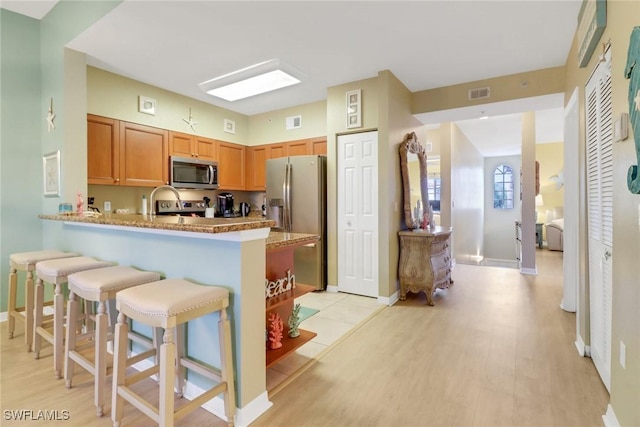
column 225, row 204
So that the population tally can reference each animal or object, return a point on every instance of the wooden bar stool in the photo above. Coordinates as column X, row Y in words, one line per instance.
column 56, row 272
column 26, row 261
column 100, row 285
column 169, row 304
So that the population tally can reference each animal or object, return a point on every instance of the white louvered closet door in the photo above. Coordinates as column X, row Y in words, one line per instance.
column 599, row 135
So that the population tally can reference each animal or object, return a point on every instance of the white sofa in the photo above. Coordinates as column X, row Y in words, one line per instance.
column 555, row 229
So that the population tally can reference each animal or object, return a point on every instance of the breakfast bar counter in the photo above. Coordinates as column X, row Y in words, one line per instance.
column 168, row 222
column 226, row 252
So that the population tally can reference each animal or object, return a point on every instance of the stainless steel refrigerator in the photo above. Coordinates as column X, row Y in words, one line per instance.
column 296, row 201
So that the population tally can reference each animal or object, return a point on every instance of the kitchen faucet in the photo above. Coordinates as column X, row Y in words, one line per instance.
column 163, row 187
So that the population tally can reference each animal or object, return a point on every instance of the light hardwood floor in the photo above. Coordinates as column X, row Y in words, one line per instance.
column 495, row 350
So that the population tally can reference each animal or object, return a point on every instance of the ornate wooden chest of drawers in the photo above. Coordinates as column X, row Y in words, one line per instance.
column 425, row 261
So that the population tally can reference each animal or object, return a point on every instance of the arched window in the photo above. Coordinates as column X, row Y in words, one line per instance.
column 503, row 187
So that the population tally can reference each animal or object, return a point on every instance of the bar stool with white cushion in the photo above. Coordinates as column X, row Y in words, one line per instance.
column 26, row 261
column 100, row 285
column 169, row 304
column 56, row 272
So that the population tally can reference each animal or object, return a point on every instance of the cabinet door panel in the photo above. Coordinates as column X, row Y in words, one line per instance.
column 103, row 151
column 276, row 151
column 319, row 146
column 256, row 168
column 231, row 158
column 298, row 148
column 180, row 144
column 144, row 155
column 205, row 148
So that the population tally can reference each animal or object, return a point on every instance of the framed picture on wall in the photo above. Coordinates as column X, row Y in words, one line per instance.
column 51, row 173
column 354, row 109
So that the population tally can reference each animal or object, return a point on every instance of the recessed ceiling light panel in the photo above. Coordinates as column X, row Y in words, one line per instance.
column 253, row 80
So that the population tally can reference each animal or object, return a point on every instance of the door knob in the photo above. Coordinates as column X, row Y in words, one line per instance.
column 607, row 255
column 349, row 223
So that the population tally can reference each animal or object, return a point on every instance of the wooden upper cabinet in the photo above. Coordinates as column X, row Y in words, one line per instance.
column 276, row 151
column 256, row 168
column 298, row 148
column 319, row 146
column 185, row 145
column 231, row 166
column 205, row 148
column 144, row 153
column 103, row 150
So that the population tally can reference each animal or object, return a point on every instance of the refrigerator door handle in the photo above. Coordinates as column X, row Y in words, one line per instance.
column 284, row 197
column 288, row 199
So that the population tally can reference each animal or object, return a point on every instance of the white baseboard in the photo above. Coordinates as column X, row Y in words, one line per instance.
column 495, row 262
column 609, row 418
column 530, row 271
column 3, row 316
column 580, row 346
column 389, row 301
column 244, row 416
column 332, row 289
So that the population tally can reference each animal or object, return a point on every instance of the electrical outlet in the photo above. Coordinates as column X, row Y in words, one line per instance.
column 107, row 206
column 623, row 355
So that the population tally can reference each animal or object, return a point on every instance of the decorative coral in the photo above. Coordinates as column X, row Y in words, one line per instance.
column 294, row 322
column 275, row 328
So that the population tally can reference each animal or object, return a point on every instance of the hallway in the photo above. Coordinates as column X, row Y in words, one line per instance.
column 495, row 350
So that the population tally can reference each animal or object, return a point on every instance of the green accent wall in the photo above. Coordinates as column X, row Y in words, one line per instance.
column 35, row 67
column 20, row 150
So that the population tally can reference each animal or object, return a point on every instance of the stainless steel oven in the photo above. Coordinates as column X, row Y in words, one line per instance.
column 193, row 173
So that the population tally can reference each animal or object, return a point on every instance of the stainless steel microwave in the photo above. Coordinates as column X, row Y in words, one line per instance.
column 193, row 173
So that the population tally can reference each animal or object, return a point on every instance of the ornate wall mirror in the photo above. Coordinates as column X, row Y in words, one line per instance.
column 413, row 166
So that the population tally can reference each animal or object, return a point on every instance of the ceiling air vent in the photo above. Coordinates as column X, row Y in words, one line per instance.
column 479, row 93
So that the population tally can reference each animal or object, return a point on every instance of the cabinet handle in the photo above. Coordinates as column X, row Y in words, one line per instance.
column 117, row 179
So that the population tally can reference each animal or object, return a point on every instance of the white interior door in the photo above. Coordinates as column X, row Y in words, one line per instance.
column 599, row 136
column 358, row 213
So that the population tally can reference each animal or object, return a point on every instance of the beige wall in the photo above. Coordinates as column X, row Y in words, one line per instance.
column 551, row 159
column 467, row 198
column 270, row 127
column 622, row 16
column 505, row 88
column 395, row 111
column 114, row 96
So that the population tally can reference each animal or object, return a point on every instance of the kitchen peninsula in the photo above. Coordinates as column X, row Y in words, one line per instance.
column 227, row 252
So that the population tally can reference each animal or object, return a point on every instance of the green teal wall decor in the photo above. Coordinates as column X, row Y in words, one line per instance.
column 632, row 72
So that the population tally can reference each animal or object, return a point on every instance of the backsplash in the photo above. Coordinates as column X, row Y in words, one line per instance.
column 130, row 197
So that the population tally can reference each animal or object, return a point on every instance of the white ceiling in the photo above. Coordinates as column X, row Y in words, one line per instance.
column 175, row 45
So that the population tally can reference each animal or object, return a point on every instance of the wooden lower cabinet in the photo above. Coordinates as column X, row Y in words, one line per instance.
column 231, row 164
column 144, row 151
column 425, row 261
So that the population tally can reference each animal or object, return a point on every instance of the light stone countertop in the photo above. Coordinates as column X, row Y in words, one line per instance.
column 275, row 240
column 167, row 222
column 281, row 239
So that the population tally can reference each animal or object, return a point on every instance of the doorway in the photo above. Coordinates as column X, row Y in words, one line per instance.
column 358, row 213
